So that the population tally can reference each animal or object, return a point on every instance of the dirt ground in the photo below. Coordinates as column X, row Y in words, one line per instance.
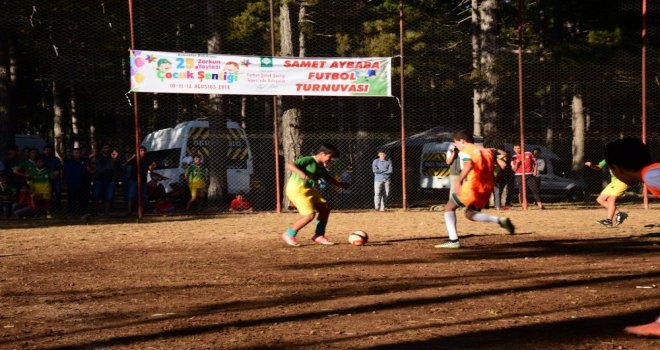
column 229, row 282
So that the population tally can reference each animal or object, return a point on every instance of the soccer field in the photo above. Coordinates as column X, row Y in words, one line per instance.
column 229, row 282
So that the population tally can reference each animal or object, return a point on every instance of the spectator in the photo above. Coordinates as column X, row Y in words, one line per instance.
column 504, row 181
column 454, row 166
column 22, row 169
column 25, row 205
column 146, row 164
column 11, row 161
column 7, row 195
column 382, row 169
column 180, row 192
column 77, row 177
column 196, row 176
column 55, row 165
column 540, row 166
column 523, row 164
column 40, row 178
column 104, row 167
column 240, row 204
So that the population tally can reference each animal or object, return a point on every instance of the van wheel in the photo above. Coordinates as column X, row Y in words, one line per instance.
column 577, row 195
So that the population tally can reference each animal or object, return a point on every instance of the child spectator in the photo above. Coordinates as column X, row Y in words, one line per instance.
column 7, row 195
column 25, row 205
column 196, row 174
column 40, row 177
column 306, row 172
column 240, row 204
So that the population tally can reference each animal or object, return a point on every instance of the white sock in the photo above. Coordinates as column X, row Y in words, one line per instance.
column 450, row 221
column 483, row 217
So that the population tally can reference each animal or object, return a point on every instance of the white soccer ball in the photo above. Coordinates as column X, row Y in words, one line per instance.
column 358, row 238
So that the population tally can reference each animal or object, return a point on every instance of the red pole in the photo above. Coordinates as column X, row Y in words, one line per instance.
column 523, row 190
column 136, row 122
column 276, row 132
column 403, row 114
column 645, row 192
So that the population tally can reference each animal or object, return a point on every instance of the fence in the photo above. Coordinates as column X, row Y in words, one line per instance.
column 581, row 85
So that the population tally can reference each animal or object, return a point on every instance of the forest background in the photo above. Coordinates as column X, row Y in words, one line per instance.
column 64, row 75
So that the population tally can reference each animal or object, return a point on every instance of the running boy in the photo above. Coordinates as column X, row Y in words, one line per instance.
column 474, row 193
column 40, row 178
column 630, row 161
column 607, row 198
column 305, row 174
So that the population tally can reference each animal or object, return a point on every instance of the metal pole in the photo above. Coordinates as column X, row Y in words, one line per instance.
column 523, row 189
column 645, row 191
column 276, row 137
column 403, row 111
column 136, row 123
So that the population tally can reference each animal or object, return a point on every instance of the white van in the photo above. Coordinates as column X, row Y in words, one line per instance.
column 169, row 147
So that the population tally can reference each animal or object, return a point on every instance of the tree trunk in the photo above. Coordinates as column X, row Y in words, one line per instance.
column 476, row 69
column 57, row 120
column 74, row 119
column 7, row 85
column 488, row 37
column 578, row 127
column 291, row 137
column 218, row 133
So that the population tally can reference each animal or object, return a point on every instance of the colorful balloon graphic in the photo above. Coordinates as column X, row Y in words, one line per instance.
column 139, row 78
column 139, row 61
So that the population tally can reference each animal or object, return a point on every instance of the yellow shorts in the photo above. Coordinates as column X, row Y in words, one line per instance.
column 305, row 199
column 615, row 188
column 41, row 190
column 196, row 189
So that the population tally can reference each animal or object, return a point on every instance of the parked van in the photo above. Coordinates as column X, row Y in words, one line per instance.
column 169, row 147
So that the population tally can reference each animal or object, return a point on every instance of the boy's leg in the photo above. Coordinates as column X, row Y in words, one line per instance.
column 611, row 207
column 450, row 223
column 377, row 194
column 319, row 231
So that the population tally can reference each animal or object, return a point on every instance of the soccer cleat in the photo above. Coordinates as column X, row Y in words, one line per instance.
column 506, row 224
column 290, row 240
column 605, row 222
column 449, row 244
column 620, row 218
column 320, row 239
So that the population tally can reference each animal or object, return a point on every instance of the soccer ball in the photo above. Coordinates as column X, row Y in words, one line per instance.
column 358, row 238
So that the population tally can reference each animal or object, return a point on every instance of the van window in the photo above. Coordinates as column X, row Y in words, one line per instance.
column 166, row 159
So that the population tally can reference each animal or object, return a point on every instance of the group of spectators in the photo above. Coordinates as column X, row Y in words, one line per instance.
column 31, row 183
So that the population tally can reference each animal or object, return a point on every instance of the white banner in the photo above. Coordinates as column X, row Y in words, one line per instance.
column 195, row 73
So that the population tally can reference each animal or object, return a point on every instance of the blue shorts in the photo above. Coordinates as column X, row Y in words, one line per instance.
column 103, row 190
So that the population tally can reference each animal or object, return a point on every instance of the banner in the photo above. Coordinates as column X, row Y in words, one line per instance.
column 194, row 73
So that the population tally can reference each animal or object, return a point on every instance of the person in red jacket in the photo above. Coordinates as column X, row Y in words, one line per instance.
column 240, row 204
column 524, row 165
